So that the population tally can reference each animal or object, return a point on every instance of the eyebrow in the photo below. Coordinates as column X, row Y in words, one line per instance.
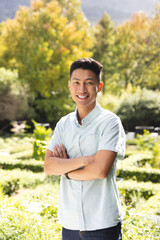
column 90, row 78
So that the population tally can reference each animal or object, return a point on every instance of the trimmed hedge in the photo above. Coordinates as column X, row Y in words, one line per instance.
column 9, row 163
column 132, row 189
column 12, row 181
column 130, row 168
column 140, row 174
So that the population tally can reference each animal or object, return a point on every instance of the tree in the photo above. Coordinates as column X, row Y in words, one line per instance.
column 12, row 95
column 104, row 42
column 41, row 42
column 131, row 53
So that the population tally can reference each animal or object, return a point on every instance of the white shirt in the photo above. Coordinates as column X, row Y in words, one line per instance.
column 94, row 204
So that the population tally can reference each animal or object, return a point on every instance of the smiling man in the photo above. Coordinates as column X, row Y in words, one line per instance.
column 84, row 150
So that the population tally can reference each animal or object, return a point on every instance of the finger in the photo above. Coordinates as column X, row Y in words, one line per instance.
column 53, row 154
column 64, row 151
column 59, row 151
column 56, row 152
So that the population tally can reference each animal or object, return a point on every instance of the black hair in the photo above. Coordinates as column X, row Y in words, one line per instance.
column 87, row 63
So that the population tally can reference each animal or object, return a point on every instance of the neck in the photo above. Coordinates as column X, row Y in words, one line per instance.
column 83, row 112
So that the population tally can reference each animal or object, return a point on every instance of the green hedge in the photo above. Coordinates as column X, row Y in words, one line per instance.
column 12, row 181
column 9, row 163
column 139, row 108
column 139, row 174
column 130, row 168
column 131, row 190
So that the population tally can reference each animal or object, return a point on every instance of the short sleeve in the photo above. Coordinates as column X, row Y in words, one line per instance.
column 113, row 138
column 56, row 138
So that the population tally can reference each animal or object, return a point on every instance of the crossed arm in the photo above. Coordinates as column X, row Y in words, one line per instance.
column 94, row 167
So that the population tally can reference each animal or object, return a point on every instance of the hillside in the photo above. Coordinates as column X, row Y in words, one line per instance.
column 93, row 9
column 119, row 11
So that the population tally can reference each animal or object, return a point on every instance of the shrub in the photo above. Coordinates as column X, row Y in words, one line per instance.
column 141, row 108
column 40, row 144
column 156, row 155
column 137, row 226
column 140, row 174
column 132, row 191
column 145, row 141
column 148, row 142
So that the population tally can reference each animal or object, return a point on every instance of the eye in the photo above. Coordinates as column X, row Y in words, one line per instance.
column 76, row 83
column 89, row 83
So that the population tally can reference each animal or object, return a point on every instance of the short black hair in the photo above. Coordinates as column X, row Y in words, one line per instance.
column 88, row 64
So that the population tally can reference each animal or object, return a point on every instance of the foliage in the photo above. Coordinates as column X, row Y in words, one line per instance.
column 137, row 226
column 138, row 167
column 141, row 108
column 33, row 165
column 156, row 155
column 45, row 39
column 133, row 52
column 145, row 141
column 109, row 101
column 40, row 144
column 32, row 212
column 149, row 142
column 24, row 219
column 12, row 93
column 12, row 181
column 104, row 33
column 132, row 191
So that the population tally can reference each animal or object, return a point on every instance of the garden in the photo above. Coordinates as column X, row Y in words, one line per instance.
column 28, row 198
column 37, row 47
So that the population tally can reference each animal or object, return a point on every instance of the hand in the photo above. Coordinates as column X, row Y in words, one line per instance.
column 59, row 151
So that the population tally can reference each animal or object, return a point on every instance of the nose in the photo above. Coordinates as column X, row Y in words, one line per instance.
column 82, row 87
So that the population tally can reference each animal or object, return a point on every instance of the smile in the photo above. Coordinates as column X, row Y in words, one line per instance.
column 82, row 97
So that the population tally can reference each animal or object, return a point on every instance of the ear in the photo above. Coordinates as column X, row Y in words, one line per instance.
column 100, row 86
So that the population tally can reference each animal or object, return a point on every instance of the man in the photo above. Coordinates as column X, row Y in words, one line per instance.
column 84, row 150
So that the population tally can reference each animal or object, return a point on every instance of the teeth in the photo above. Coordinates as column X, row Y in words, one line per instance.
column 82, row 97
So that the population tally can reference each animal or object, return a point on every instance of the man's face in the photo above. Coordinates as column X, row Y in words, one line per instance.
column 84, row 87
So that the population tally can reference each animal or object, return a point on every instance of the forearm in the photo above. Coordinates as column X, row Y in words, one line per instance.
column 59, row 166
column 90, row 172
column 99, row 169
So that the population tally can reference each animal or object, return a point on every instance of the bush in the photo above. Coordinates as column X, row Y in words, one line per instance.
column 40, row 144
column 141, row 108
column 32, row 164
column 140, row 174
column 156, row 155
column 12, row 181
column 132, row 191
column 148, row 142
column 137, row 167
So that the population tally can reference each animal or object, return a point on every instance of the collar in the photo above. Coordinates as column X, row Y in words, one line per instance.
column 89, row 118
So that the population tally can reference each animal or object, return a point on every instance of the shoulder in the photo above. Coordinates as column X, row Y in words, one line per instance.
column 67, row 119
column 109, row 116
